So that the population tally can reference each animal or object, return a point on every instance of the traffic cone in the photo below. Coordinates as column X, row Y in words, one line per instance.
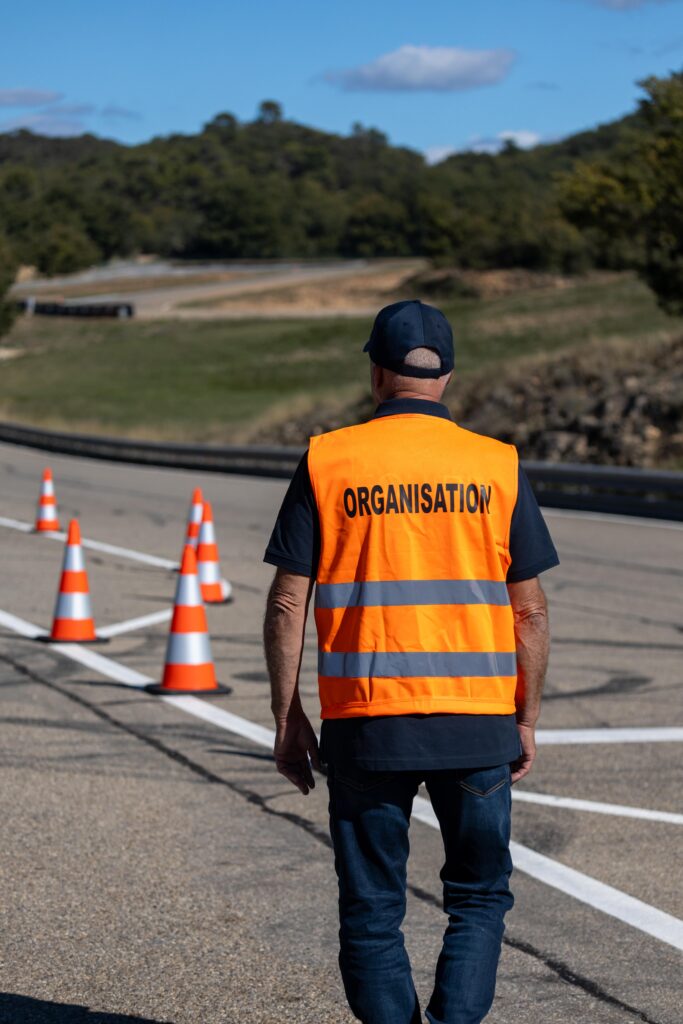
column 194, row 518
column 189, row 666
column 46, row 517
column 73, row 621
column 215, row 590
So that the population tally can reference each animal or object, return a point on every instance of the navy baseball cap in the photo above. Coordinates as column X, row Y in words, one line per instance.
column 403, row 326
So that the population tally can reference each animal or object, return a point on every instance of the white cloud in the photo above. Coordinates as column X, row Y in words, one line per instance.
column 112, row 112
column 522, row 138
column 494, row 143
column 435, row 154
column 45, row 124
column 27, row 97
column 72, row 109
column 438, row 68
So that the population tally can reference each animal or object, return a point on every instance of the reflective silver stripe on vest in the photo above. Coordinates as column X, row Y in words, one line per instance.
column 406, row 664
column 376, row 593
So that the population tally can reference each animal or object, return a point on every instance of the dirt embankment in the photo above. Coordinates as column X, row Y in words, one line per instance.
column 619, row 404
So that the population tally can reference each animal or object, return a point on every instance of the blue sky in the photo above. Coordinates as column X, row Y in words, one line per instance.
column 437, row 75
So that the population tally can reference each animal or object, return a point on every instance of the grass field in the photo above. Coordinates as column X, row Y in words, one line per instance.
column 218, row 381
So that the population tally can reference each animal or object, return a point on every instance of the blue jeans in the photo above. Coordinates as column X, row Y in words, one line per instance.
column 369, row 820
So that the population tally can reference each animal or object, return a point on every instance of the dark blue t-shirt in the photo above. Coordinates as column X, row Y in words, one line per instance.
column 411, row 742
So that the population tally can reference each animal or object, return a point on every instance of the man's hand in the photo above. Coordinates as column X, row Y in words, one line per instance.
column 296, row 749
column 522, row 766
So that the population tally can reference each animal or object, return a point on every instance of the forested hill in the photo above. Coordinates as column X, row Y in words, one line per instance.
column 274, row 188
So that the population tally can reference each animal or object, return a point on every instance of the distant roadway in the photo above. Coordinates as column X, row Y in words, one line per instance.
column 169, row 298
column 154, row 865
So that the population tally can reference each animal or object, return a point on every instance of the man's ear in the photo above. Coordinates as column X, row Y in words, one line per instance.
column 376, row 381
column 448, row 380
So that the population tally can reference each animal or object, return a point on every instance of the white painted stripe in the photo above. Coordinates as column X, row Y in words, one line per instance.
column 596, row 807
column 618, row 904
column 611, row 901
column 15, row 524
column 134, row 556
column 95, row 545
column 224, row 719
column 21, row 626
column 646, row 734
column 105, row 666
column 128, row 625
column 612, row 517
column 582, row 887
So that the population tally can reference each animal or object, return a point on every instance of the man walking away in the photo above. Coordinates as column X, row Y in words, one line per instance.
column 425, row 543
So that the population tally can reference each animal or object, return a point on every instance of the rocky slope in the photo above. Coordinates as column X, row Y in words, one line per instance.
column 619, row 404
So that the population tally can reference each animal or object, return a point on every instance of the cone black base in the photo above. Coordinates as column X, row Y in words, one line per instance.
column 218, row 692
column 47, row 639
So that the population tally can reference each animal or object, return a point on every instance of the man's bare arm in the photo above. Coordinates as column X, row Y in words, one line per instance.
column 283, row 638
column 532, row 641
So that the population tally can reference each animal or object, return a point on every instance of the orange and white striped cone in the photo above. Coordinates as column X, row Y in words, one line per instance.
column 46, row 517
column 189, row 666
column 215, row 589
column 194, row 518
column 73, row 621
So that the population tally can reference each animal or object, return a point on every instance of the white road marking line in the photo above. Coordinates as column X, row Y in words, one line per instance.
column 96, row 545
column 646, row 734
column 582, row 887
column 117, row 628
column 20, row 626
column 16, row 524
column 544, row 737
column 596, row 807
column 134, row 556
column 612, row 517
column 611, row 901
column 224, row 719
column 99, row 663
column 573, row 883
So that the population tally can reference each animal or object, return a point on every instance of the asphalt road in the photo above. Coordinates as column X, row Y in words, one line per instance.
column 156, row 868
column 166, row 300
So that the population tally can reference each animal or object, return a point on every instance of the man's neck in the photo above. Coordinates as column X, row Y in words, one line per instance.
column 407, row 393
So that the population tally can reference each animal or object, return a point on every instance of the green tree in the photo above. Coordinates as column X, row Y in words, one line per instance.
column 66, row 248
column 633, row 202
column 269, row 112
column 8, row 269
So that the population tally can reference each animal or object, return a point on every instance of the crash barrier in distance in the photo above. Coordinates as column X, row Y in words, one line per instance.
column 120, row 310
column 626, row 491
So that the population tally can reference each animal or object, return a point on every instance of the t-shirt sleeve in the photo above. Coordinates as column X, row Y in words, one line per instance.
column 295, row 541
column 531, row 548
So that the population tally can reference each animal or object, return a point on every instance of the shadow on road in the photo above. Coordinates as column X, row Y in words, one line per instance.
column 16, row 1009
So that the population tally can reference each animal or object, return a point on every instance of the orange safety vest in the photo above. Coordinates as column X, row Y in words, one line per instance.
column 411, row 605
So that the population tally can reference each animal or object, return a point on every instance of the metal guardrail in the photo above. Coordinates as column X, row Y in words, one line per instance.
column 120, row 310
column 252, row 460
column 641, row 492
